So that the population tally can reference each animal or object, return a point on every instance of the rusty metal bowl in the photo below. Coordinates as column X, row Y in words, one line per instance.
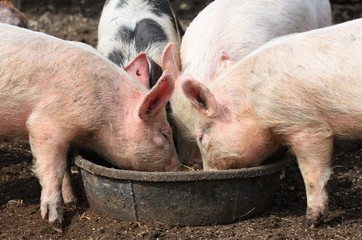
column 180, row 198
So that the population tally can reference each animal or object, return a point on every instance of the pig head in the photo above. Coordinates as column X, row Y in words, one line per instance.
column 228, row 134
column 144, row 133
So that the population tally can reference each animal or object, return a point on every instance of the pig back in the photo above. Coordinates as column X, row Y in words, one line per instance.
column 41, row 71
column 310, row 77
column 239, row 27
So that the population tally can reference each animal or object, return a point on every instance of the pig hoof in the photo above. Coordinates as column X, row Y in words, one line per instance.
column 313, row 221
column 71, row 206
column 310, row 224
column 58, row 226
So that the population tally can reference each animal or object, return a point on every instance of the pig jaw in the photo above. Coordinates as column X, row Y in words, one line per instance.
column 246, row 146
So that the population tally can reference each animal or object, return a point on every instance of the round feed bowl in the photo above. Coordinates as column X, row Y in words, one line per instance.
column 180, row 198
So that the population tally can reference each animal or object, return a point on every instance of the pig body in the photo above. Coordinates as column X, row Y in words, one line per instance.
column 302, row 91
column 10, row 15
column 63, row 96
column 130, row 27
column 225, row 32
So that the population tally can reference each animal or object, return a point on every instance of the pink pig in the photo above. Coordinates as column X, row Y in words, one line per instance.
column 63, row 95
column 301, row 91
column 225, row 32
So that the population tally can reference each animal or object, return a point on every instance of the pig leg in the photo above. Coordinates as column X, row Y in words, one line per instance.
column 313, row 148
column 67, row 190
column 49, row 145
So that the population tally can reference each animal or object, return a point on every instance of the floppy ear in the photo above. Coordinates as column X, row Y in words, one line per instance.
column 139, row 69
column 225, row 61
column 168, row 61
column 157, row 97
column 200, row 97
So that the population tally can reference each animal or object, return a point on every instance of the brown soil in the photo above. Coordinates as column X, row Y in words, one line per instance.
column 20, row 190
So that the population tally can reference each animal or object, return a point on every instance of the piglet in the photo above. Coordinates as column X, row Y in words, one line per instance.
column 225, row 32
column 64, row 96
column 130, row 27
column 10, row 15
column 302, row 91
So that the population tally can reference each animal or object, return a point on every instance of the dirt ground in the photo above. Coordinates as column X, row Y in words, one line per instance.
column 20, row 190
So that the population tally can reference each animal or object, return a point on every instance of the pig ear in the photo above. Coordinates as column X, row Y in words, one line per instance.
column 157, row 97
column 200, row 97
column 138, row 69
column 168, row 61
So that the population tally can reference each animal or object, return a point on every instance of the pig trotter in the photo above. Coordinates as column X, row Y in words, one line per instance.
column 70, row 205
column 314, row 219
column 58, row 226
column 54, row 212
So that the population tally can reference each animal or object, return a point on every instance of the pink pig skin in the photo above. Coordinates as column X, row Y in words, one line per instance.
column 302, row 91
column 64, row 95
column 225, row 32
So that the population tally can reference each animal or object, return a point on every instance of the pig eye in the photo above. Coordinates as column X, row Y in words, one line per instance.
column 166, row 135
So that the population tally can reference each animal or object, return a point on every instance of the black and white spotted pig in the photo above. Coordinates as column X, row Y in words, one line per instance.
column 129, row 27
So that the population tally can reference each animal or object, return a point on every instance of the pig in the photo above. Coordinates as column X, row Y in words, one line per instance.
column 302, row 91
column 223, row 33
column 10, row 15
column 64, row 96
column 130, row 27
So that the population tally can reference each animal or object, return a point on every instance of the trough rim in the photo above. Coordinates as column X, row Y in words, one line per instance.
column 185, row 176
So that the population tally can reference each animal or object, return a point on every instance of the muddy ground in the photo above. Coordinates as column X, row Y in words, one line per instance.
column 20, row 190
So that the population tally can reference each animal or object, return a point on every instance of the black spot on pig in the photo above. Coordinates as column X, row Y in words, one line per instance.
column 117, row 57
column 148, row 32
column 125, row 34
column 161, row 7
column 164, row 7
column 120, row 3
column 155, row 72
